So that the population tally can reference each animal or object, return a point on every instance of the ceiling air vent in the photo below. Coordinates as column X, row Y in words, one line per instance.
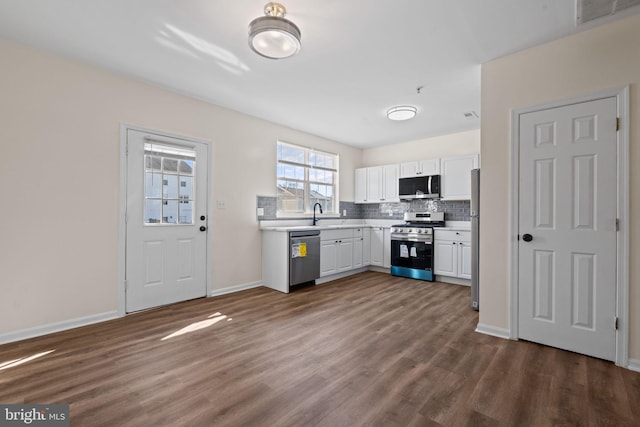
column 588, row 10
column 471, row 115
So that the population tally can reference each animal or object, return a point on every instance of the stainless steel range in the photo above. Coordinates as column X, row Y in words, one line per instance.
column 412, row 245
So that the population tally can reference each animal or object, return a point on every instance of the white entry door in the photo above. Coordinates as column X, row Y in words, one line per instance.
column 567, row 219
column 166, row 237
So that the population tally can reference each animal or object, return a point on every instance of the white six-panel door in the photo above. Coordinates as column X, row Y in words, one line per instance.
column 568, row 206
column 166, row 249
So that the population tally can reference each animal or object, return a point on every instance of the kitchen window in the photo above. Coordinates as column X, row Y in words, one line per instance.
column 305, row 177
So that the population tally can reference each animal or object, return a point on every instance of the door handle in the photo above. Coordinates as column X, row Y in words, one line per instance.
column 203, row 228
column 527, row 237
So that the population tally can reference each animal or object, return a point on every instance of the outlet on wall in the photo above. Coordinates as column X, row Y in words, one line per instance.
column 220, row 204
column 344, row 212
column 260, row 211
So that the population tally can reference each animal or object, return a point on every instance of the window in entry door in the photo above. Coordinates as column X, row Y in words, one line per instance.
column 168, row 184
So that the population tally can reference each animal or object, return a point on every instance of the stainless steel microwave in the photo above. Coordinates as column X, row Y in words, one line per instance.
column 419, row 187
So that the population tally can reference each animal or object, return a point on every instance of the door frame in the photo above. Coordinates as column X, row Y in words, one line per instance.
column 622, row 268
column 122, row 213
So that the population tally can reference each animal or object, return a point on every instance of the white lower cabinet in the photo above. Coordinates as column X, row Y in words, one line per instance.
column 386, row 248
column 342, row 250
column 366, row 246
column 358, row 248
column 328, row 258
column 345, row 255
column 338, row 251
column 452, row 253
column 377, row 246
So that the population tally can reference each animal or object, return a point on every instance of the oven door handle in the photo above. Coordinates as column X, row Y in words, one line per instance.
column 411, row 239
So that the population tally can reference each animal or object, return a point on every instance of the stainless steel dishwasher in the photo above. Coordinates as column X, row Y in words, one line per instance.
column 304, row 256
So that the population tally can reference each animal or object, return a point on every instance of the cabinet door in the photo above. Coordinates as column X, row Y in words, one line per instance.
column 456, row 177
column 361, row 185
column 430, row 167
column 390, row 174
column 464, row 260
column 420, row 167
column 345, row 255
column 358, row 245
column 386, row 249
column 409, row 169
column 445, row 258
column 366, row 246
column 377, row 246
column 374, row 184
column 328, row 258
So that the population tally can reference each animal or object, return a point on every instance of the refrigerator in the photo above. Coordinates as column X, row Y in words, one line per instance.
column 475, row 238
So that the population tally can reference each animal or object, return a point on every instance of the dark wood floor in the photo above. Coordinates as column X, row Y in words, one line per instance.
column 372, row 349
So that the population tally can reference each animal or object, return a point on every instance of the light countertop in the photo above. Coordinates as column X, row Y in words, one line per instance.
column 454, row 226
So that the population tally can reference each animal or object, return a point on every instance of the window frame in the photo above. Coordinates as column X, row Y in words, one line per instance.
column 307, row 183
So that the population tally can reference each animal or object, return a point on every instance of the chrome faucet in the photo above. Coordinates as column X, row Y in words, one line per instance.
column 315, row 220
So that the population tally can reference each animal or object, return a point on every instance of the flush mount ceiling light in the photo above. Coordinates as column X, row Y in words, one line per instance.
column 402, row 112
column 272, row 36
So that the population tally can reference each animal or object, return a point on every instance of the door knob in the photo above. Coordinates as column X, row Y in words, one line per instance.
column 203, row 228
column 202, row 217
column 527, row 237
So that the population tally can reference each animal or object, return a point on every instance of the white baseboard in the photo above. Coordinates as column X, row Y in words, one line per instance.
column 337, row 276
column 379, row 269
column 237, row 288
column 453, row 280
column 493, row 331
column 37, row 331
column 634, row 365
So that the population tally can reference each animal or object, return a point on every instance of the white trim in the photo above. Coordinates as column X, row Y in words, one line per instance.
column 379, row 269
column 236, row 288
column 452, row 280
column 622, row 338
column 493, row 331
column 122, row 226
column 51, row 328
column 337, row 276
column 634, row 365
column 622, row 305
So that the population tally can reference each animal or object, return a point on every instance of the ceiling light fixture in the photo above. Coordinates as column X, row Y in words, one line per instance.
column 402, row 112
column 273, row 36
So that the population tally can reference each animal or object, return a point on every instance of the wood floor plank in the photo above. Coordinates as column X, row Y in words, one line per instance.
column 370, row 349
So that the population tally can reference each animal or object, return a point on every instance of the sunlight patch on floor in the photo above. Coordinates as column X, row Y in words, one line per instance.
column 17, row 362
column 211, row 320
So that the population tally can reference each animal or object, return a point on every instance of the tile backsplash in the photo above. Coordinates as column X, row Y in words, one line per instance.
column 456, row 210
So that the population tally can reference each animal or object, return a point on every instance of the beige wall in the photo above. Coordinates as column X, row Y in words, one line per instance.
column 59, row 172
column 455, row 144
column 601, row 58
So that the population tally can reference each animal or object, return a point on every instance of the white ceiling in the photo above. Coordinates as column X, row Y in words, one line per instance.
column 358, row 57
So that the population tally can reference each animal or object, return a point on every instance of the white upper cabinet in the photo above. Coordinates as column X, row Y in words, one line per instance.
column 455, row 181
column 390, row 183
column 361, row 186
column 377, row 184
column 420, row 168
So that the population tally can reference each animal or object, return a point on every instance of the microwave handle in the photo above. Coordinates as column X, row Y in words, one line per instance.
column 429, row 185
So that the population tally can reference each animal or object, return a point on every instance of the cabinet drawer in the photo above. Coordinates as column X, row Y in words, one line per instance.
column 458, row 236
column 337, row 234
